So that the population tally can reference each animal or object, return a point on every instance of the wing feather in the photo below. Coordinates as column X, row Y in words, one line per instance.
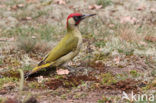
column 66, row 45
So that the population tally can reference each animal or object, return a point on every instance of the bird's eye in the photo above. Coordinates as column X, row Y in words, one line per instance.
column 77, row 18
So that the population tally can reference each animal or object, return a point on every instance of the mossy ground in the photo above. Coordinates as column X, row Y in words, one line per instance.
column 118, row 52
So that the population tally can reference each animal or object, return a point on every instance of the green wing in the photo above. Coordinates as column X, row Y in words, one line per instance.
column 66, row 45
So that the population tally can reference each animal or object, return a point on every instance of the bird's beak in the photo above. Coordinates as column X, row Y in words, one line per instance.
column 87, row 15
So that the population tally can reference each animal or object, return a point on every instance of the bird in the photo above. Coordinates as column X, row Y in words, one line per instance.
column 65, row 50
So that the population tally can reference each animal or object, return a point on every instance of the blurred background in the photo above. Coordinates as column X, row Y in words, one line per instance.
column 118, row 53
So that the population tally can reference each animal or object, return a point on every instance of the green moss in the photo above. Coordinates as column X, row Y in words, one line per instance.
column 126, row 51
column 27, row 67
column 2, row 100
column 134, row 73
column 122, row 76
column 11, row 73
column 67, row 83
column 79, row 95
column 147, row 87
column 129, row 52
column 63, row 96
column 100, row 56
column 7, row 80
column 107, row 79
column 103, row 100
column 58, row 77
column 1, row 62
column 104, row 3
column 121, row 66
column 100, row 43
column 36, row 85
column 153, row 73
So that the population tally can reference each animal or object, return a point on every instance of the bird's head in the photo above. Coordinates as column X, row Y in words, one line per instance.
column 74, row 19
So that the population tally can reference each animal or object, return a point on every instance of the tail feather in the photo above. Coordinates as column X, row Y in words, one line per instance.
column 42, row 67
column 41, row 70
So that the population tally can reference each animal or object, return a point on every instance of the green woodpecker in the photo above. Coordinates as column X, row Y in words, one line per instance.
column 66, row 49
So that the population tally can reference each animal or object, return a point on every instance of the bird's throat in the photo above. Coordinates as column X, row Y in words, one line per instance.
column 72, row 28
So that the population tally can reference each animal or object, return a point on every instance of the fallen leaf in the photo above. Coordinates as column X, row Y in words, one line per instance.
column 92, row 7
column 62, row 72
column 150, row 38
column 14, row 7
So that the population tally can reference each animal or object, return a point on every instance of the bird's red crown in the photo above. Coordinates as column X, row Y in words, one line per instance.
column 72, row 15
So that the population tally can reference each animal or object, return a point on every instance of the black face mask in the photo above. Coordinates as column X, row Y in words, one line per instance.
column 77, row 19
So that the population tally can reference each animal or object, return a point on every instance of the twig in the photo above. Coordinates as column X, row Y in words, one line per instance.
column 21, row 80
